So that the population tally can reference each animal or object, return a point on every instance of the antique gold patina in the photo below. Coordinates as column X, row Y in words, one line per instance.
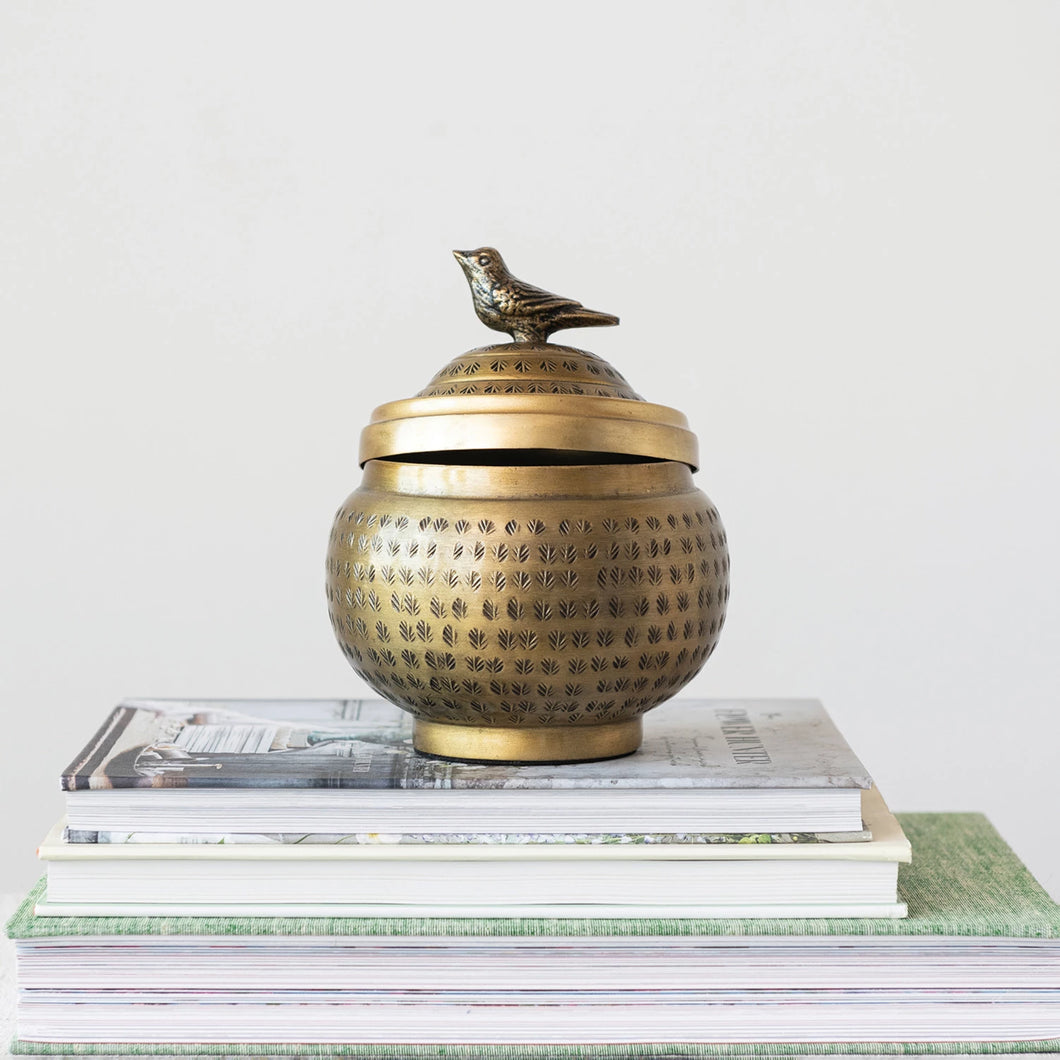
column 527, row 566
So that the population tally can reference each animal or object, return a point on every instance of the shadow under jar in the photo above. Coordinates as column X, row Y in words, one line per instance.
column 527, row 571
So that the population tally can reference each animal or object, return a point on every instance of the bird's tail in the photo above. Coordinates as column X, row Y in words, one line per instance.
column 583, row 318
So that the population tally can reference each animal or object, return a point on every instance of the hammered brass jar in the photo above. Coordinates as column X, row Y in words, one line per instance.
column 527, row 566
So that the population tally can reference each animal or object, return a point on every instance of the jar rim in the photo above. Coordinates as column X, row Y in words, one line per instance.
column 589, row 482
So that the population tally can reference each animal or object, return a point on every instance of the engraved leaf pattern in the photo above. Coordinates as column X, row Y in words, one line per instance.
column 576, row 583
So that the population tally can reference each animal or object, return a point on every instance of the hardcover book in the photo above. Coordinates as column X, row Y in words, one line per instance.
column 975, row 968
column 482, row 879
column 347, row 767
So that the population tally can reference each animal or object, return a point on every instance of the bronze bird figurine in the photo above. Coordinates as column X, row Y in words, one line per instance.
column 527, row 313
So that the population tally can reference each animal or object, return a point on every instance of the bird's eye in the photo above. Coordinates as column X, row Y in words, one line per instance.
column 483, row 259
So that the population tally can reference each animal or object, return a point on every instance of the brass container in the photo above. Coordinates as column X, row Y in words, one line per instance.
column 527, row 566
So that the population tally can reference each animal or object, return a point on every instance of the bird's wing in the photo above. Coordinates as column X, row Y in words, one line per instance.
column 526, row 300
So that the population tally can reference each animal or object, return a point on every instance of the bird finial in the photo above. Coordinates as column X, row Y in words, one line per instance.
column 527, row 313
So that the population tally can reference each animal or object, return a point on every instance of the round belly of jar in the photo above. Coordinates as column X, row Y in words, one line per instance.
column 527, row 613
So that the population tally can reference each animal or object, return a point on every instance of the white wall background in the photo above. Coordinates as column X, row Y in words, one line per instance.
column 830, row 229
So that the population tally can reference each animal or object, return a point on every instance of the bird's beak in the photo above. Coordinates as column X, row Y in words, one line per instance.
column 461, row 255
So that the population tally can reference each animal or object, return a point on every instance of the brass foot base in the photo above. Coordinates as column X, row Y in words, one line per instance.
column 559, row 743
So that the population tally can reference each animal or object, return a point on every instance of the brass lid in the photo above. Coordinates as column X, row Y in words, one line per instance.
column 527, row 395
column 529, row 368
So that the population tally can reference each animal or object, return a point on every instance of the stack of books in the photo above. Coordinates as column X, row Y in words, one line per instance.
column 322, row 808
column 289, row 876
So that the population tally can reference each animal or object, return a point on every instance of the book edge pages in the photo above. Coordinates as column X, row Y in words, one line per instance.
column 888, row 843
column 886, row 910
column 1029, row 1049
